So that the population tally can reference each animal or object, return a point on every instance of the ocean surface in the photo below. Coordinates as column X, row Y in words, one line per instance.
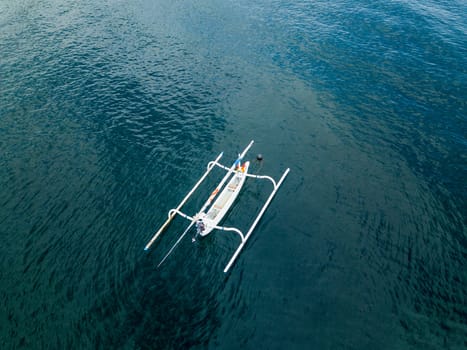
column 110, row 111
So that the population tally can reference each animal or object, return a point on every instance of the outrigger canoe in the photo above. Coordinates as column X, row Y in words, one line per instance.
column 211, row 213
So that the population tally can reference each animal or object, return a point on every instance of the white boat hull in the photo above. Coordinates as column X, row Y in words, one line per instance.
column 224, row 201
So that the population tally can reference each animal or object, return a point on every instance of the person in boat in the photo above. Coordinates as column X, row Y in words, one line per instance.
column 239, row 166
column 200, row 225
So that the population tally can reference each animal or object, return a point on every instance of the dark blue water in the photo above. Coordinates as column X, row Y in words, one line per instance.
column 110, row 111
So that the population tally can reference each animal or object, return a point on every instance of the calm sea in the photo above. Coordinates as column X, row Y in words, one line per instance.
column 110, row 111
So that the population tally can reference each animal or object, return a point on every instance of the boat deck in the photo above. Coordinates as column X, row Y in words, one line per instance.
column 225, row 200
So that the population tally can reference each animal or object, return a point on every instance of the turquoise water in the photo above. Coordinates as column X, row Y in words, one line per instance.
column 110, row 111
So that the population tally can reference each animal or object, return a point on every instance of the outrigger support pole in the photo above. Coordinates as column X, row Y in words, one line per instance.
column 252, row 227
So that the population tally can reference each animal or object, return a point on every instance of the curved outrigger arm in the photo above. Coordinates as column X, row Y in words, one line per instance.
column 195, row 218
column 248, row 175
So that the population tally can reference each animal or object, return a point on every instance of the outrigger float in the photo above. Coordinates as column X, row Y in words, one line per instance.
column 215, row 208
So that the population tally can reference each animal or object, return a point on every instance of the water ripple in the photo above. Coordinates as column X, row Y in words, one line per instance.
column 109, row 111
